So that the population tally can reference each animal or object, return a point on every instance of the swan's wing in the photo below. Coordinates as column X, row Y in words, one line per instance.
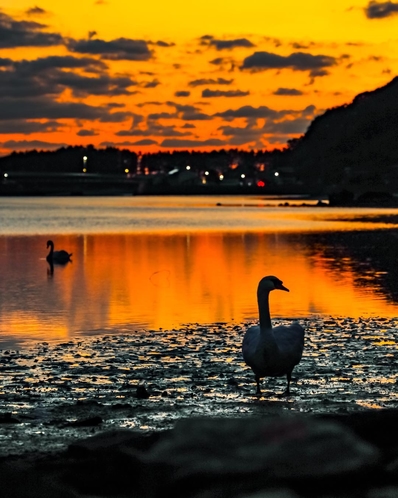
column 290, row 340
column 61, row 256
column 250, row 342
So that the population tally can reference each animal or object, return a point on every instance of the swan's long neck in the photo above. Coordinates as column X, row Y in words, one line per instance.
column 51, row 250
column 264, row 314
column 267, row 338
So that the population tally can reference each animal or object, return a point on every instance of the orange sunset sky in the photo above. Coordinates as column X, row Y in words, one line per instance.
column 161, row 76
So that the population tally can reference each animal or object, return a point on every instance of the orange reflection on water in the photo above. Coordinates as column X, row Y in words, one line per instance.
column 125, row 282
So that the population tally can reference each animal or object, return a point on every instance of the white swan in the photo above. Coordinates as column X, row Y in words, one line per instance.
column 60, row 257
column 272, row 352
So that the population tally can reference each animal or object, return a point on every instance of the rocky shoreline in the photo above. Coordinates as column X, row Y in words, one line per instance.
column 175, row 412
column 288, row 456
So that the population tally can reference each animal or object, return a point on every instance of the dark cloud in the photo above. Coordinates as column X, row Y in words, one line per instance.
column 46, row 76
column 152, row 102
column 46, row 108
column 310, row 110
column 288, row 126
column 114, row 105
column 210, row 81
column 62, row 62
column 242, row 135
column 379, row 10
column 228, row 44
column 162, row 115
column 219, row 61
column 224, row 64
column 162, row 44
column 28, row 127
column 119, row 49
column 300, row 46
column 288, row 92
column 114, row 117
column 206, row 38
column 182, row 93
column 318, row 72
column 83, row 86
column 185, row 112
column 151, row 84
column 145, row 141
column 281, row 124
column 248, row 111
column 36, row 11
column 191, row 113
column 298, row 61
column 263, row 120
column 153, row 129
column 87, row 133
column 15, row 34
column 189, row 144
column 31, row 144
column 219, row 93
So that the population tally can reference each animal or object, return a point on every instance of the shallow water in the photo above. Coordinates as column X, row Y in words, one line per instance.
column 160, row 263
column 59, row 392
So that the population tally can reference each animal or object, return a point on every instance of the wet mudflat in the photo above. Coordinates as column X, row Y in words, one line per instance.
column 54, row 394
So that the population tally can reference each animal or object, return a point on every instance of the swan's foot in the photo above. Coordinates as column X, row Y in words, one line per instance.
column 285, row 394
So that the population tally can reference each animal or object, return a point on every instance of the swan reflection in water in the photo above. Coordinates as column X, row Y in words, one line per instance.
column 272, row 351
column 60, row 257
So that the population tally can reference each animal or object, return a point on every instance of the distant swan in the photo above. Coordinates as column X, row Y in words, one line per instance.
column 272, row 352
column 57, row 256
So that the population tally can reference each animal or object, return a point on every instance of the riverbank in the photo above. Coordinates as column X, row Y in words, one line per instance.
column 295, row 456
column 53, row 394
column 175, row 409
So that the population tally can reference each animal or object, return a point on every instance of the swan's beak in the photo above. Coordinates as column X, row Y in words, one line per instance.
column 282, row 287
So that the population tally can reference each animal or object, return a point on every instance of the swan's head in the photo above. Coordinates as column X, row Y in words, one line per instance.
column 50, row 243
column 270, row 283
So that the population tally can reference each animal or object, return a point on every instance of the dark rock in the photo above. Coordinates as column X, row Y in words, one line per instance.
column 7, row 418
column 87, row 422
column 120, row 438
column 142, row 392
column 378, row 427
column 253, row 453
column 287, row 456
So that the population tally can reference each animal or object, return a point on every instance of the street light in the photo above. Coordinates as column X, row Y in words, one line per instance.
column 84, row 164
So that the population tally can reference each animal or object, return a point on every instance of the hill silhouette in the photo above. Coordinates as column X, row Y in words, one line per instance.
column 352, row 147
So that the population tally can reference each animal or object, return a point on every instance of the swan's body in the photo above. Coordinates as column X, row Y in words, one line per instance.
column 272, row 352
column 59, row 257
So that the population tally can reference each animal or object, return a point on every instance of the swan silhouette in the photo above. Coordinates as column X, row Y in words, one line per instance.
column 60, row 257
column 272, row 351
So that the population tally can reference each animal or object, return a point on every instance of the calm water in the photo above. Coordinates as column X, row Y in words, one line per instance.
column 150, row 263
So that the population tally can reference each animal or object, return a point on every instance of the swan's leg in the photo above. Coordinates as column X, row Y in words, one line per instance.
column 289, row 378
column 258, row 385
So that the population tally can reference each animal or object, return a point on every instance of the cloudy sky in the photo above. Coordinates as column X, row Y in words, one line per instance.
column 205, row 75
